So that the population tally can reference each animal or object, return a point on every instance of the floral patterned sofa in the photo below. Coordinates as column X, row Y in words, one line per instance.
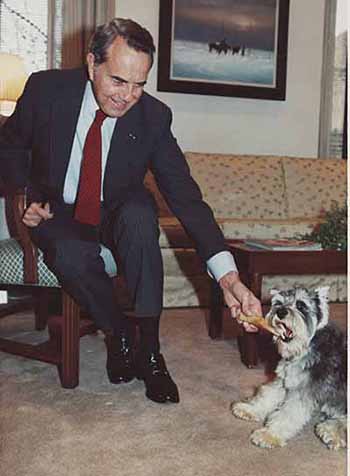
column 252, row 197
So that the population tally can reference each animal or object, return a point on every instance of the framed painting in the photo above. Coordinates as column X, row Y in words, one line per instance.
column 224, row 47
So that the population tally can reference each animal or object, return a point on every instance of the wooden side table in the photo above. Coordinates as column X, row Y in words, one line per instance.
column 255, row 263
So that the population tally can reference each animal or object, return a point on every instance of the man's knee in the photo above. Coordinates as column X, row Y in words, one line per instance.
column 139, row 215
column 72, row 259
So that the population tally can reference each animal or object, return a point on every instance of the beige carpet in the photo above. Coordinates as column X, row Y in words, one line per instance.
column 102, row 429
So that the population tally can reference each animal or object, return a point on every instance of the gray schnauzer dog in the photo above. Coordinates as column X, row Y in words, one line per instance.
column 311, row 376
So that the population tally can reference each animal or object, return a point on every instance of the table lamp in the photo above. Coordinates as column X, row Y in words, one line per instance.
column 12, row 79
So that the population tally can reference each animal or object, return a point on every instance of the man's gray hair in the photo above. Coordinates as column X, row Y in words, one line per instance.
column 134, row 34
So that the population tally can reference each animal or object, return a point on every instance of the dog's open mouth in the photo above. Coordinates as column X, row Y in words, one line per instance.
column 286, row 334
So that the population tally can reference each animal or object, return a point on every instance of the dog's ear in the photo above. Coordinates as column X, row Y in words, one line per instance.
column 323, row 292
column 321, row 298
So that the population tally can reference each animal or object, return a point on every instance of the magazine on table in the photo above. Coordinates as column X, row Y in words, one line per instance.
column 284, row 244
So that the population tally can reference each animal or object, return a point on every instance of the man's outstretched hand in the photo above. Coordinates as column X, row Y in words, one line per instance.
column 35, row 213
column 240, row 299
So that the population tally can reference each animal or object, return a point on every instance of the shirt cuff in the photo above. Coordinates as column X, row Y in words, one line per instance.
column 221, row 264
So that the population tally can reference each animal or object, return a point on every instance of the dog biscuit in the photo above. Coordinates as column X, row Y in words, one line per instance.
column 259, row 322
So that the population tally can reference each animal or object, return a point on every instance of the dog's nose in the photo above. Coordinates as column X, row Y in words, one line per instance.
column 282, row 312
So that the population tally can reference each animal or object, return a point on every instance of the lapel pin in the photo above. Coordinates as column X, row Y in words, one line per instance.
column 132, row 136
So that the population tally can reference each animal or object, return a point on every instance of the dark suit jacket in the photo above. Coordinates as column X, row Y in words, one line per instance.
column 42, row 129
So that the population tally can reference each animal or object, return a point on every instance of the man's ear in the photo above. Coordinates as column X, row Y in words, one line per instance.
column 90, row 61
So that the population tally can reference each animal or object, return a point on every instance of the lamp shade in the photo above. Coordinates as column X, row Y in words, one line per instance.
column 12, row 79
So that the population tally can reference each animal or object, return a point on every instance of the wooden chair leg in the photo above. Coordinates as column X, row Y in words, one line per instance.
column 62, row 347
column 69, row 368
column 65, row 338
column 41, row 308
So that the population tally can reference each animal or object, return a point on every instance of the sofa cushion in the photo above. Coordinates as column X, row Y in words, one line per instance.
column 172, row 233
column 243, row 186
column 313, row 184
column 253, row 185
column 184, row 291
column 336, row 282
column 265, row 229
column 182, row 261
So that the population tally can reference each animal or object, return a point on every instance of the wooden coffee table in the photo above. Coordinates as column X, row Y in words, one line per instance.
column 255, row 263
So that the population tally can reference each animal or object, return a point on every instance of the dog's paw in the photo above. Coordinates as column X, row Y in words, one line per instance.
column 265, row 439
column 333, row 435
column 244, row 411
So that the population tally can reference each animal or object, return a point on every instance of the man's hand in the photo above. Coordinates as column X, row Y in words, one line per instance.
column 240, row 299
column 35, row 213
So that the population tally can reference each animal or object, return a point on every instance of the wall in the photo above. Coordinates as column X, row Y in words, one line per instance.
column 248, row 126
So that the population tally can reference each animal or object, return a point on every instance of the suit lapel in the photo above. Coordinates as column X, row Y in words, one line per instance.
column 127, row 147
column 65, row 116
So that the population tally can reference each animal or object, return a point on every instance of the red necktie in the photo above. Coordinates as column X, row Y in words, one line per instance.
column 88, row 202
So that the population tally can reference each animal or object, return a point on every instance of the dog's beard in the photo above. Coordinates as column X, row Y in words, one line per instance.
column 294, row 337
column 295, row 348
column 297, row 314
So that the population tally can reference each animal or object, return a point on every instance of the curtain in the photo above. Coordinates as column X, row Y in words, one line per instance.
column 79, row 20
column 327, row 78
column 333, row 108
column 345, row 130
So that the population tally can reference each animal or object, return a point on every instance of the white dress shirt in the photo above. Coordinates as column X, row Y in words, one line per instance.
column 86, row 117
column 218, row 265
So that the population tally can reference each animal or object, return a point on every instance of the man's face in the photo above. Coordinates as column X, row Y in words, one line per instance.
column 118, row 83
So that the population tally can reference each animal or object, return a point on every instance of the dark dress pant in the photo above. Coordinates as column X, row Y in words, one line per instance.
column 72, row 252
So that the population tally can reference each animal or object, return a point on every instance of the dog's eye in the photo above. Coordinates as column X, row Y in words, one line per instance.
column 277, row 303
column 300, row 306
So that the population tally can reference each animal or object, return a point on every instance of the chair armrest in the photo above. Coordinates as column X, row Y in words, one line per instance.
column 15, row 202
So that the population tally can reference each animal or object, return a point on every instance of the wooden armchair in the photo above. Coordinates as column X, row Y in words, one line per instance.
column 22, row 267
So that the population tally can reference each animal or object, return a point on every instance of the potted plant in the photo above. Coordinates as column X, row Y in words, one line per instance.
column 332, row 232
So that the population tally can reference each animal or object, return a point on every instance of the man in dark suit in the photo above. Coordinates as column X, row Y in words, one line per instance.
column 92, row 135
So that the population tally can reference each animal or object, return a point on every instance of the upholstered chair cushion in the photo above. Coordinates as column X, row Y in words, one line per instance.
column 11, row 269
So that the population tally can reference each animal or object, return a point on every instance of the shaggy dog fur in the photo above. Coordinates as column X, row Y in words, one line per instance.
column 311, row 377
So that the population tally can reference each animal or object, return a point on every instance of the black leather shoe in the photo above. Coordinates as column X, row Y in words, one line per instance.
column 160, row 387
column 120, row 360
